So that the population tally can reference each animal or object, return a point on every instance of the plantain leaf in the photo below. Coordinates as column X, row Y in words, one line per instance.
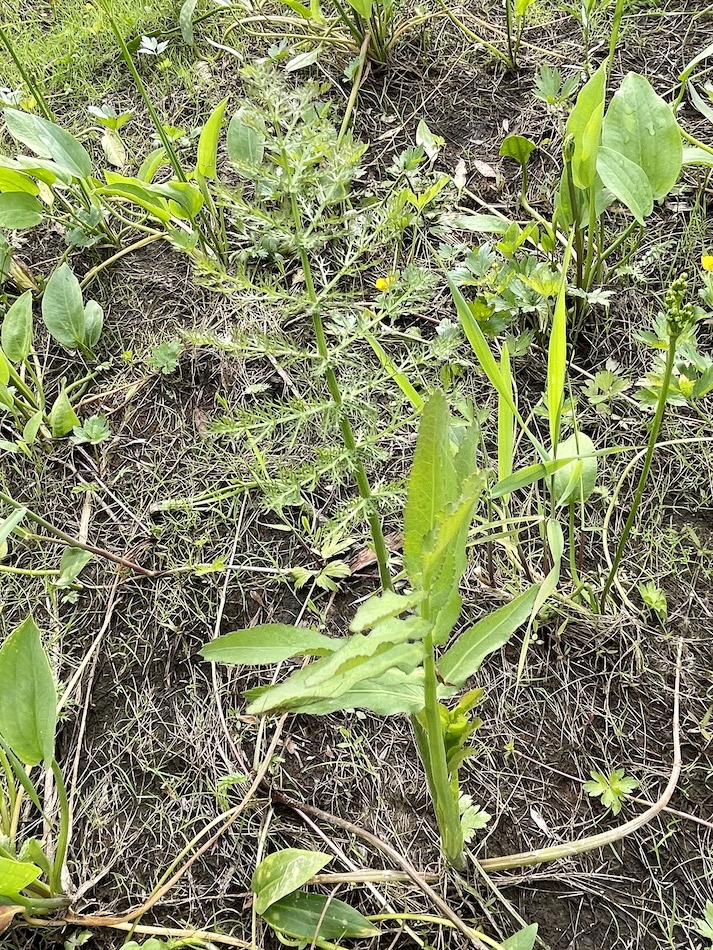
column 28, row 699
column 309, row 916
column 627, row 181
column 575, row 481
column 283, row 872
column 63, row 309
column 246, row 138
column 465, row 657
column 62, row 417
column 185, row 21
column 267, row 644
column 48, row 140
column 18, row 210
column 16, row 334
column 208, row 142
column 585, row 125
column 522, row 940
column 16, row 875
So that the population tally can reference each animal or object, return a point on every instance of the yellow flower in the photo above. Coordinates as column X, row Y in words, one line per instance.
column 384, row 284
column 707, row 262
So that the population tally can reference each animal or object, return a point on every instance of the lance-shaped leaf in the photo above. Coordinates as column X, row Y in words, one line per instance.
column 383, row 607
column 465, row 657
column 208, row 142
column 17, row 329
column 283, row 872
column 28, row 699
column 585, row 125
column 522, row 940
column 314, row 917
column 393, row 693
column 48, row 140
column 267, row 644
column 432, row 483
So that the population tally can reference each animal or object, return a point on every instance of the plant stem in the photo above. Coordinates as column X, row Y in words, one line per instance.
column 355, row 88
column 377, row 534
column 653, row 436
column 63, row 837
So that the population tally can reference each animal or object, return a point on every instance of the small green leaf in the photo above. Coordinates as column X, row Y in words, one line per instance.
column 113, row 148
column 306, row 916
column 16, row 875
column 73, row 561
column 362, row 7
column 8, row 525
column 283, row 872
column 518, row 148
column 17, row 329
column 429, row 142
column 93, row 323
column 575, row 481
column 208, row 142
column 18, row 210
column 522, row 940
column 32, row 427
column 63, row 308
column 465, row 657
column 382, row 607
column 62, row 417
column 28, row 699
column 267, row 644
column 302, row 60
column 585, row 125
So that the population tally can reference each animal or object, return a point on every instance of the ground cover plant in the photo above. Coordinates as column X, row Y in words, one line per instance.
column 356, row 479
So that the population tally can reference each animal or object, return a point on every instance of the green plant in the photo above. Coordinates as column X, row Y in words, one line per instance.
column 704, row 925
column 389, row 663
column 655, row 598
column 552, row 88
column 30, row 871
column 93, row 431
column 612, row 789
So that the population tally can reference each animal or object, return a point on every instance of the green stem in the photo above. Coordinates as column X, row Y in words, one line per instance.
column 653, row 436
column 377, row 534
column 32, row 87
column 444, row 801
column 355, row 88
column 63, row 837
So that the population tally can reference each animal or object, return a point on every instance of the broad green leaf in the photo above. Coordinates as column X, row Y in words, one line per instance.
column 62, row 417
column 383, row 607
column 246, row 138
column 283, row 872
column 185, row 199
column 208, row 142
column 151, row 164
column 16, row 875
column 465, row 657
column 185, row 21
column 575, row 481
column 432, row 483
column 72, row 562
column 306, row 916
column 28, row 699
column 299, row 8
column 518, row 148
column 640, row 126
column 18, row 210
column 585, row 125
column 11, row 180
column 8, row 525
column 627, row 181
column 137, row 191
column 63, row 308
column 557, row 352
column 506, row 419
column 522, row 940
column 48, row 140
column 267, row 644
column 16, row 333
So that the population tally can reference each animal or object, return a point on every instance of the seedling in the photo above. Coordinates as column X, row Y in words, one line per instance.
column 613, row 790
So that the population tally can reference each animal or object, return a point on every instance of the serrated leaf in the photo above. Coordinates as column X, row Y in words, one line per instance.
column 382, row 607
column 393, row 693
column 283, row 872
column 306, row 916
column 267, row 644
column 28, row 699
column 16, row 334
column 465, row 657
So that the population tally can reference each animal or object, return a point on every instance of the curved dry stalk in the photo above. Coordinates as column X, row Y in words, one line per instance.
column 390, row 852
column 592, row 843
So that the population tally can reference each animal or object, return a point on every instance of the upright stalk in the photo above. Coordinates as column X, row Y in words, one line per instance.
column 377, row 534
